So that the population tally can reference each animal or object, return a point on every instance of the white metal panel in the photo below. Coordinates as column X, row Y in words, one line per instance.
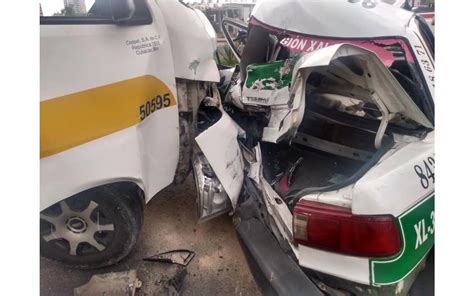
column 341, row 197
column 219, row 145
column 352, row 268
column 121, row 156
column 80, row 57
column 335, row 18
column 423, row 56
column 193, row 41
column 392, row 186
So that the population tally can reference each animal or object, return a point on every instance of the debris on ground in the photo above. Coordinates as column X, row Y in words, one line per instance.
column 111, row 284
column 180, row 257
column 162, row 280
column 156, row 279
column 174, row 284
column 165, row 279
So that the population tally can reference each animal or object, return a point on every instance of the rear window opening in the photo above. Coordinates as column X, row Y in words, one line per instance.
column 334, row 92
column 265, row 44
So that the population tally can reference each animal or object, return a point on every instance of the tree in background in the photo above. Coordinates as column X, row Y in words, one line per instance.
column 66, row 11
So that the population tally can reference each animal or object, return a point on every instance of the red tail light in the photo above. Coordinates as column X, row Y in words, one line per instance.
column 337, row 230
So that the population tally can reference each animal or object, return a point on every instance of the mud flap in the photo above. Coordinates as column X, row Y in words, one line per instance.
column 221, row 150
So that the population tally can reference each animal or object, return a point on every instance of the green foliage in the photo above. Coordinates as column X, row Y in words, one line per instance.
column 69, row 11
column 226, row 57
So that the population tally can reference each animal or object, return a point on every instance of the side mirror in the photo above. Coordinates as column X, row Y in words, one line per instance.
column 122, row 10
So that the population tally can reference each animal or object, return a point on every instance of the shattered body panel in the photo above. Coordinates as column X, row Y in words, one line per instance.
column 219, row 145
column 267, row 83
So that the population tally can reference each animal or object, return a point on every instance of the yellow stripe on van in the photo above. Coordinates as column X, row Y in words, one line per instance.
column 78, row 118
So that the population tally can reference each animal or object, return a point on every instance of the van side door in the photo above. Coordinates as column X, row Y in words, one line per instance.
column 108, row 97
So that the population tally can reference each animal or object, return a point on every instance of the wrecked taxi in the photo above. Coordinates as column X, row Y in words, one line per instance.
column 331, row 108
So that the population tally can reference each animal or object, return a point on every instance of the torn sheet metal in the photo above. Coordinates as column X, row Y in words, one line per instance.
column 377, row 85
column 285, row 119
column 111, row 284
column 267, row 84
column 273, row 130
column 279, row 211
column 255, row 169
column 180, row 257
column 219, row 144
column 253, row 159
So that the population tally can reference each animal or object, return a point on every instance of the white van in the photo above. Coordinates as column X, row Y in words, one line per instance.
column 120, row 88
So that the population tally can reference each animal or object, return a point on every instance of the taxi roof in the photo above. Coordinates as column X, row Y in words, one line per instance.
column 334, row 18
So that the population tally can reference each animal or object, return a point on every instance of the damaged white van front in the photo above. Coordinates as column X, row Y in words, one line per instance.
column 334, row 112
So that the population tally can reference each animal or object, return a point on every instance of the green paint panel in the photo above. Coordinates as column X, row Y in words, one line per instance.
column 268, row 76
column 417, row 225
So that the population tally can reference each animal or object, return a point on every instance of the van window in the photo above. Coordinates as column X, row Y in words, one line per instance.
column 73, row 8
column 87, row 12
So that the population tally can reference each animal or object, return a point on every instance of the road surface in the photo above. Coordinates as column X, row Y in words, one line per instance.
column 219, row 267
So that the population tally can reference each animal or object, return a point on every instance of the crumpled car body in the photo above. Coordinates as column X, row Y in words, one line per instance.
column 324, row 141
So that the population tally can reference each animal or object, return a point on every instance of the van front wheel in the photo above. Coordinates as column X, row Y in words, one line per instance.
column 93, row 229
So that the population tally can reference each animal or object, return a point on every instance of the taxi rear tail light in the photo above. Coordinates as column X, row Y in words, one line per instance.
column 336, row 229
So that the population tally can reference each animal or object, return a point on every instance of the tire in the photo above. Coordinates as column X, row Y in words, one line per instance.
column 93, row 229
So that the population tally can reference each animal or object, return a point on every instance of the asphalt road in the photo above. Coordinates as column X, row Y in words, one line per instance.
column 219, row 267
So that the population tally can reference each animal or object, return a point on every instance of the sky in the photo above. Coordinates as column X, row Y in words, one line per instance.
column 51, row 6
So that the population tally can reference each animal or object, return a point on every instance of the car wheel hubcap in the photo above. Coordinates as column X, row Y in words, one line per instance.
column 76, row 227
column 76, row 224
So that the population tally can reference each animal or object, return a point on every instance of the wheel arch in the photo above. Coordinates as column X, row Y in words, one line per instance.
column 133, row 190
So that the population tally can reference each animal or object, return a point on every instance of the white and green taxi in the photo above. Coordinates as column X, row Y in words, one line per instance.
column 334, row 107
